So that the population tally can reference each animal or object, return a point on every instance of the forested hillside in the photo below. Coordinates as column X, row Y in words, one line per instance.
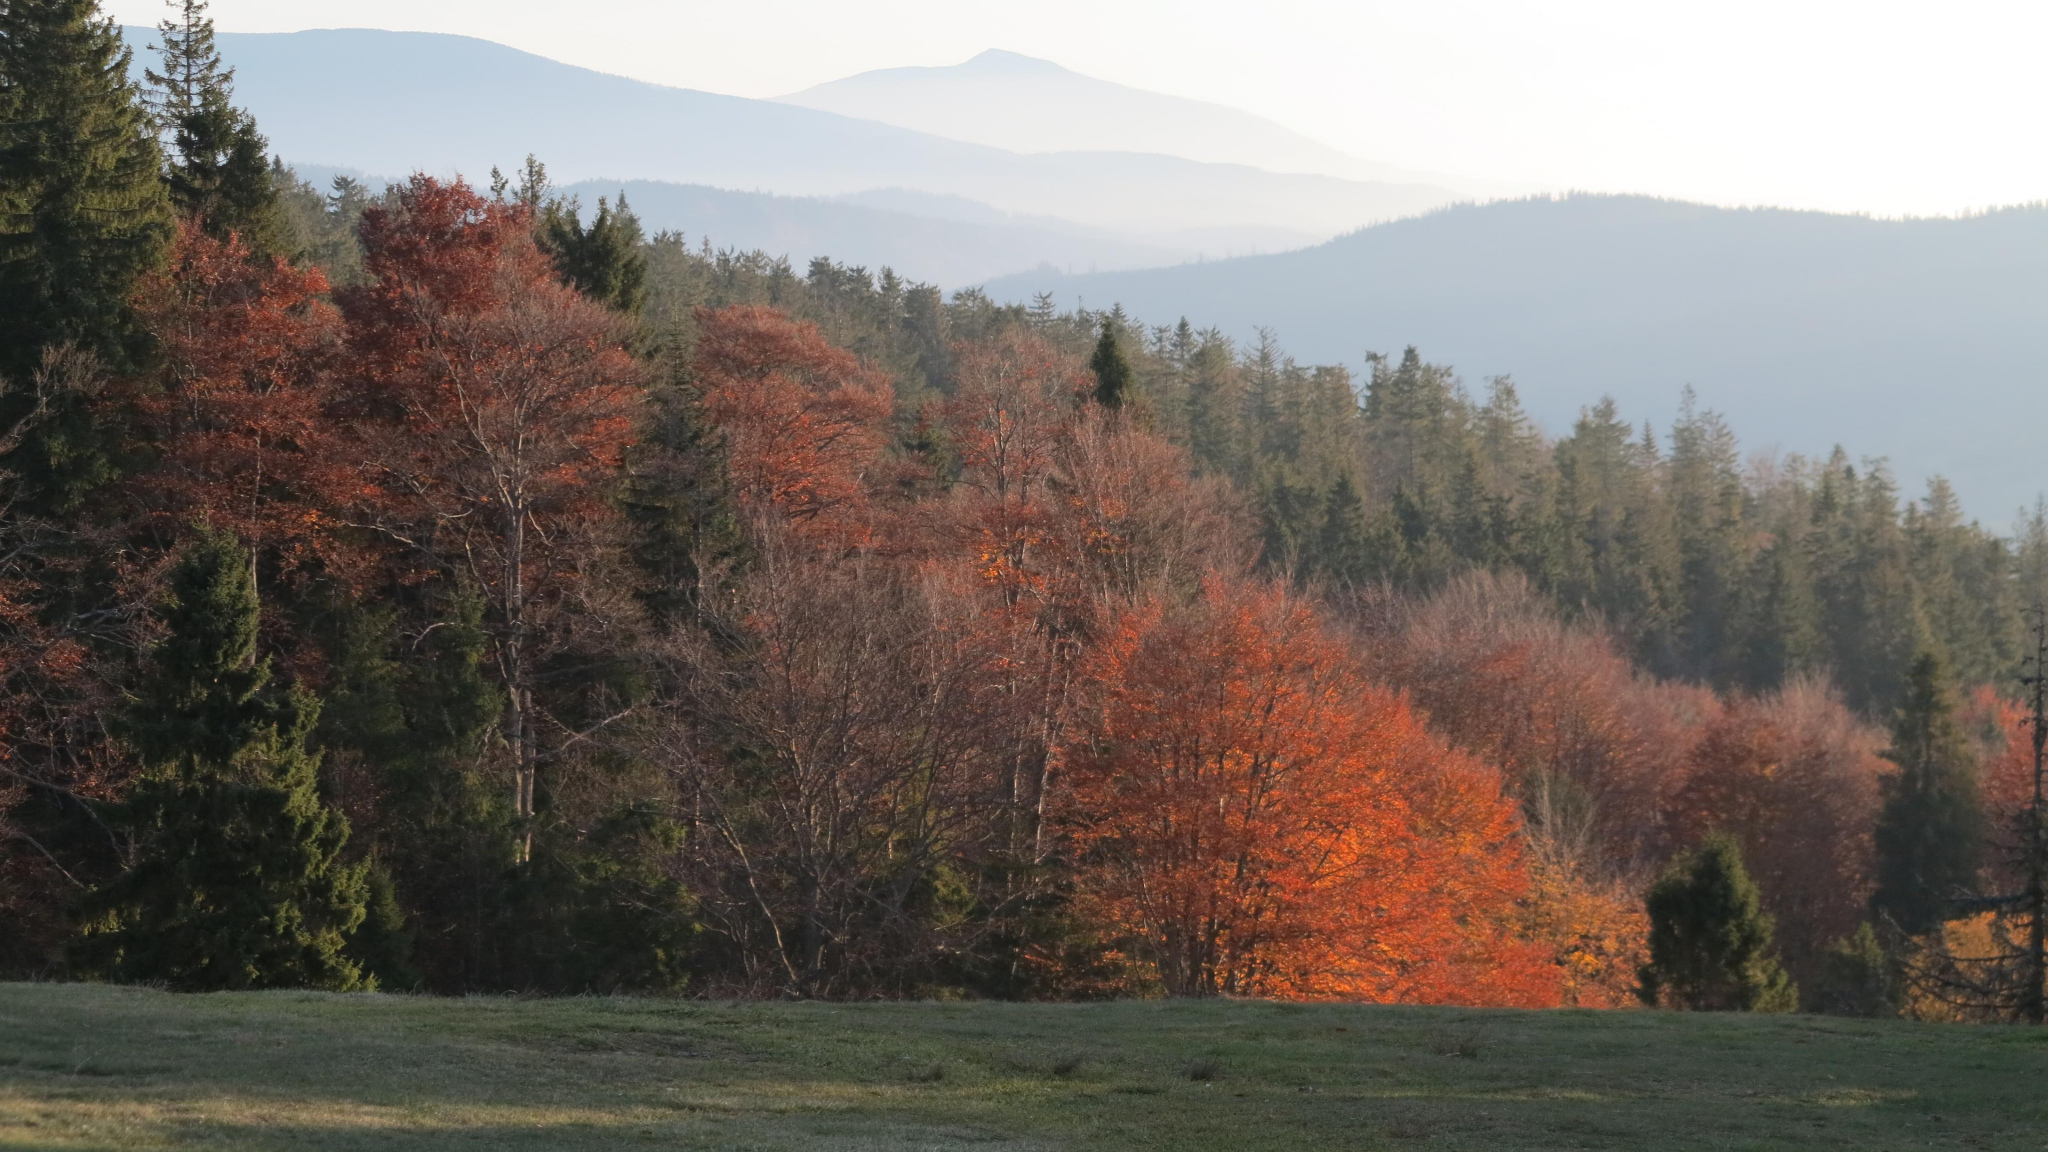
column 1896, row 338
column 456, row 588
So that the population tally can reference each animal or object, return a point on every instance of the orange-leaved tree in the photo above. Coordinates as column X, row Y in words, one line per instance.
column 802, row 423
column 490, row 407
column 1066, row 514
column 1258, row 818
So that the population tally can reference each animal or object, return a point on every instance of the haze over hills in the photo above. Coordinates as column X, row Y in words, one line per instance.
column 945, row 240
column 934, row 249
column 1921, row 340
column 446, row 104
column 1024, row 104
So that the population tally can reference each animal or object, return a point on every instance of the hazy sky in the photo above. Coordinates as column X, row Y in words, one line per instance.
column 1867, row 106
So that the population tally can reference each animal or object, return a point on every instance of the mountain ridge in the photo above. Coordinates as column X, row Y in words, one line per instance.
column 443, row 103
column 1031, row 105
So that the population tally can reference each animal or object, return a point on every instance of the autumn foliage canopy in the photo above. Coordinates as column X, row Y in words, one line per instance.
column 986, row 686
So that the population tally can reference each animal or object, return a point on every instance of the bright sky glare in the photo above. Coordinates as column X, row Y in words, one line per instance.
column 1853, row 105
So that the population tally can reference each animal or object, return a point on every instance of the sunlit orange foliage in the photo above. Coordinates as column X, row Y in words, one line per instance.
column 1262, row 820
column 1594, row 928
column 802, row 422
column 239, row 427
column 1794, row 776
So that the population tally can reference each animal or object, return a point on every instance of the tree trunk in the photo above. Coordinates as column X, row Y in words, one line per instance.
column 518, row 697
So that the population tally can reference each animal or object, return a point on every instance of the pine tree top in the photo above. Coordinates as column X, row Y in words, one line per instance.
column 192, row 68
column 1112, row 370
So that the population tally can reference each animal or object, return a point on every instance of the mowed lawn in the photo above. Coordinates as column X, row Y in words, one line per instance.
column 87, row 1067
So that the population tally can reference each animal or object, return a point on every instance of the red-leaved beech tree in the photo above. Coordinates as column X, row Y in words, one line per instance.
column 490, row 408
column 1794, row 777
column 802, row 423
column 239, row 427
column 1258, row 818
column 1595, row 747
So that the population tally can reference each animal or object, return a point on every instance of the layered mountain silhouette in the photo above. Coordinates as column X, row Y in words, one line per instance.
column 394, row 102
column 1925, row 341
column 1025, row 104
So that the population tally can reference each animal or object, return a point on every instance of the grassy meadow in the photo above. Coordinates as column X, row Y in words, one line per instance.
column 94, row 1067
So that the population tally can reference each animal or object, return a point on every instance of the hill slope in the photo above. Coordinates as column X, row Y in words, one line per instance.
column 1922, row 340
column 396, row 102
column 121, row 1068
column 1025, row 104
column 951, row 253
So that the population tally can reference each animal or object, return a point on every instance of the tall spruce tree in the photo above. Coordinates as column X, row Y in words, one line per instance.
column 237, row 879
column 1112, row 370
column 1710, row 939
column 83, row 215
column 422, row 713
column 221, row 173
column 1931, row 830
column 1343, row 552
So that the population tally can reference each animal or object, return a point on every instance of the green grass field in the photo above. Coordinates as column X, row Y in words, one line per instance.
column 86, row 1067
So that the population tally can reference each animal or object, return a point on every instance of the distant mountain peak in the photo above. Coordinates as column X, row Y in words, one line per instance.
column 1002, row 60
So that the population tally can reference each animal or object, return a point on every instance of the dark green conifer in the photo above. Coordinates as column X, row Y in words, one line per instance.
column 1931, row 831
column 1710, row 939
column 416, row 705
column 236, row 879
column 605, row 261
column 1343, row 547
column 83, row 215
column 1780, row 633
column 221, row 174
column 1858, row 977
column 680, row 506
column 1112, row 370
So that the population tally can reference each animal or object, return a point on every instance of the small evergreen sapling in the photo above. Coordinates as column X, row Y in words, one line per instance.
column 1860, row 977
column 1710, row 939
column 237, row 879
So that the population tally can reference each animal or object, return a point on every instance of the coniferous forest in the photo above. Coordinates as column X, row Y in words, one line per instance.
column 449, row 587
